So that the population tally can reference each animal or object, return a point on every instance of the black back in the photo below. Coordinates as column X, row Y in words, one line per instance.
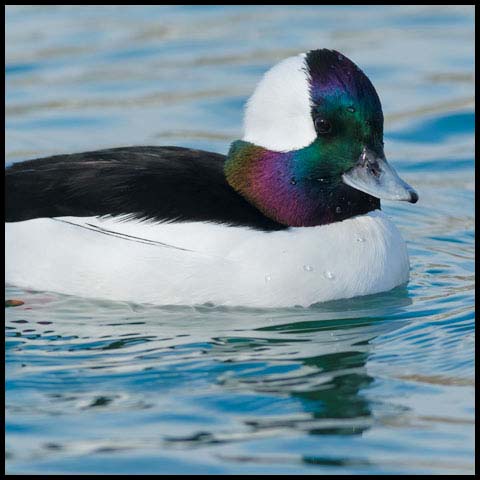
column 150, row 183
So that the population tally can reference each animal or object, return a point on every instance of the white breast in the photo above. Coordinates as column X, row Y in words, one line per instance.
column 195, row 263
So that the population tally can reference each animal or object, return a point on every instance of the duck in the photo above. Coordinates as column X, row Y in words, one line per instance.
column 290, row 217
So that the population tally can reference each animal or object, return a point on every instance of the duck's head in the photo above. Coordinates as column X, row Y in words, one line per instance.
column 312, row 151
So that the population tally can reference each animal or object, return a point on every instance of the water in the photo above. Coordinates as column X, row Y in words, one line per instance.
column 380, row 384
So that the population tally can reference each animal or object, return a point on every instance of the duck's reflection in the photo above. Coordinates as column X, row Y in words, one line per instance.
column 320, row 364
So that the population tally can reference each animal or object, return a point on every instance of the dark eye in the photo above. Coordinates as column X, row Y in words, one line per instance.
column 322, row 126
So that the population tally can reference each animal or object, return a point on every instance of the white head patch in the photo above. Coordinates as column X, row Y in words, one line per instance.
column 277, row 116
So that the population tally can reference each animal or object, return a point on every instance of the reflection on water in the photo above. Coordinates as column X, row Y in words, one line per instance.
column 378, row 384
column 230, row 383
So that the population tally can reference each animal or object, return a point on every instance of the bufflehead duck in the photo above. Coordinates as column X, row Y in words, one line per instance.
column 291, row 216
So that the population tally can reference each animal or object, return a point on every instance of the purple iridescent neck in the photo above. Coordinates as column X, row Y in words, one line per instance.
column 288, row 188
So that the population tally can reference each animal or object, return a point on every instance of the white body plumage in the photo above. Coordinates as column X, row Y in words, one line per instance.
column 195, row 263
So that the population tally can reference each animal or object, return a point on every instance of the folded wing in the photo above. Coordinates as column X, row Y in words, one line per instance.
column 159, row 184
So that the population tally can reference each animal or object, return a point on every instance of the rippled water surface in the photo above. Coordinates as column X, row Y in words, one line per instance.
column 380, row 384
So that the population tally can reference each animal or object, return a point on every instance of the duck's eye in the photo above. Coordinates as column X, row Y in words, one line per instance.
column 322, row 126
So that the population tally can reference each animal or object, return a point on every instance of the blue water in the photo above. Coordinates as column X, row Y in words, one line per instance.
column 380, row 384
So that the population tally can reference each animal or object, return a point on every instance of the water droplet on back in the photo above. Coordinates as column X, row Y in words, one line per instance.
column 359, row 239
column 351, row 109
column 267, row 278
column 308, row 268
column 293, row 181
column 329, row 275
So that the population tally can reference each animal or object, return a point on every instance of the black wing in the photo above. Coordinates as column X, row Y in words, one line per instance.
column 150, row 183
